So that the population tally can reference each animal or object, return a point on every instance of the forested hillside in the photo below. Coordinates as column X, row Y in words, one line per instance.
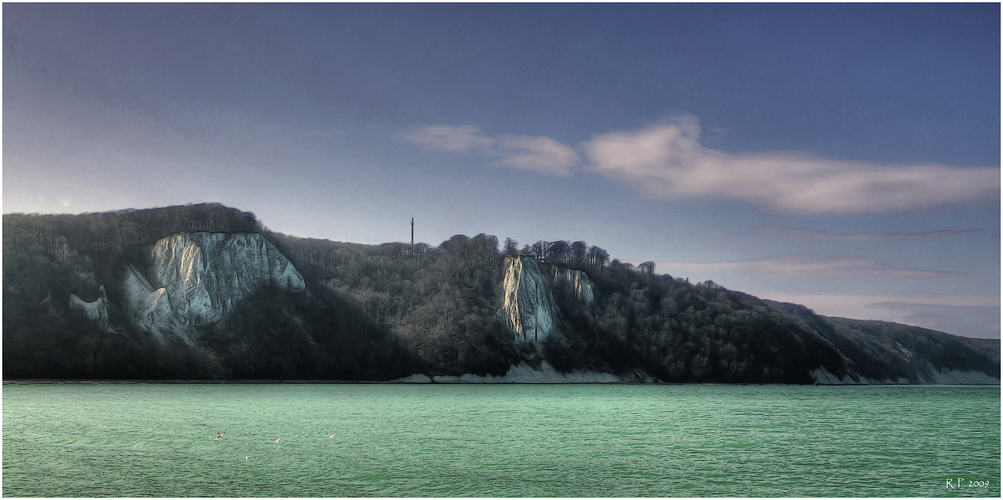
column 891, row 351
column 49, row 257
column 380, row 312
column 273, row 334
column 444, row 302
column 441, row 301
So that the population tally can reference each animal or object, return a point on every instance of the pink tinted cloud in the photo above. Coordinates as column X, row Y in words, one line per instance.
column 524, row 152
column 666, row 160
column 802, row 267
column 821, row 235
column 969, row 315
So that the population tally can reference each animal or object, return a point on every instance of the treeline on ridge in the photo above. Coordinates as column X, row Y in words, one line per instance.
column 272, row 334
column 379, row 312
column 444, row 302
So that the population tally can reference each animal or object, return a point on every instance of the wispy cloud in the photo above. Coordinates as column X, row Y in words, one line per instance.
column 970, row 321
column 972, row 315
column 536, row 153
column 666, row 160
column 801, row 267
column 817, row 234
column 453, row 139
column 524, row 152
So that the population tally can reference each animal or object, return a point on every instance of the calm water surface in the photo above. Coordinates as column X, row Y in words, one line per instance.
column 135, row 440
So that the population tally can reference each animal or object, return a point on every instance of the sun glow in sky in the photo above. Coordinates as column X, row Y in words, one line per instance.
column 846, row 157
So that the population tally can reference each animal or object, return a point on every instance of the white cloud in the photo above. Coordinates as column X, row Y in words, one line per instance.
column 542, row 154
column 524, row 152
column 666, row 160
column 817, row 234
column 799, row 267
column 453, row 139
column 970, row 315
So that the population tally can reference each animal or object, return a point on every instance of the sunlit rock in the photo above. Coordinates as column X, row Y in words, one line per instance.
column 198, row 277
column 529, row 308
column 580, row 283
column 148, row 306
column 205, row 274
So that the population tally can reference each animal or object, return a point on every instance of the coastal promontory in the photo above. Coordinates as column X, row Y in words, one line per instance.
column 205, row 292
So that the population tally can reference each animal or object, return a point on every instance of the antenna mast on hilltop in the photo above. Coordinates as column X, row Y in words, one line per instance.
column 412, row 234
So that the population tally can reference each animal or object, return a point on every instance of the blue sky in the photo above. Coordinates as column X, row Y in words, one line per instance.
column 846, row 157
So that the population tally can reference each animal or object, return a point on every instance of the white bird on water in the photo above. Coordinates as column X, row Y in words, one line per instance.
column 332, row 435
column 277, row 440
column 247, row 457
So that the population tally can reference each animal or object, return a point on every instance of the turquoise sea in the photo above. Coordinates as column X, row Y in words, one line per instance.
column 390, row 440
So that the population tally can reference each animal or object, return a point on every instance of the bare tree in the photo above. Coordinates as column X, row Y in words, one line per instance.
column 598, row 257
column 579, row 250
column 603, row 258
column 511, row 247
column 647, row 267
column 592, row 255
column 560, row 250
column 540, row 250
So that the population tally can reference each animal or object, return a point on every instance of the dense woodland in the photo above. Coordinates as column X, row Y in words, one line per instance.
column 379, row 312
column 48, row 257
column 270, row 335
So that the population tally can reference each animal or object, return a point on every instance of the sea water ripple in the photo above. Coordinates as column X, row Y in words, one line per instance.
column 589, row 440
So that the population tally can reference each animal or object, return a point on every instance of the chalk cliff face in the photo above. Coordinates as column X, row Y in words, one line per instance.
column 149, row 306
column 580, row 282
column 529, row 308
column 205, row 274
column 197, row 277
column 96, row 311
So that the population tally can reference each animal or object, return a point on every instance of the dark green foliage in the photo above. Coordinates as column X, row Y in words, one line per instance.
column 441, row 301
column 990, row 348
column 387, row 311
column 890, row 351
column 275, row 334
column 372, row 312
column 56, row 255
column 40, row 344
column 62, row 235
column 46, row 258
column 680, row 332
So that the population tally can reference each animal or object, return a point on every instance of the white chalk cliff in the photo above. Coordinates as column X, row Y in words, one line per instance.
column 197, row 277
column 148, row 305
column 96, row 311
column 580, row 283
column 529, row 308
